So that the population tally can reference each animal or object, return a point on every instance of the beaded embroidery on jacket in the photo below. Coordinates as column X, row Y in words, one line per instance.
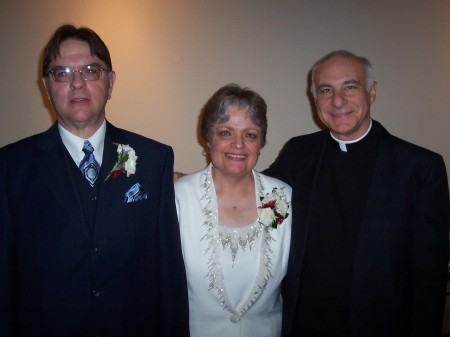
column 217, row 236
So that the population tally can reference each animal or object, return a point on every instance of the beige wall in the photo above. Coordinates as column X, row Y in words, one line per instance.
column 170, row 56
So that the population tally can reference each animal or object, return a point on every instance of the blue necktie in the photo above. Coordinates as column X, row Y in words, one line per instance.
column 89, row 166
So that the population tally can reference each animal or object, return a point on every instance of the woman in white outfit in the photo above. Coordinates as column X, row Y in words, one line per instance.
column 235, row 224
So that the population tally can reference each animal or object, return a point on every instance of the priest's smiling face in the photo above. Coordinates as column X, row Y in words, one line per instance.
column 342, row 98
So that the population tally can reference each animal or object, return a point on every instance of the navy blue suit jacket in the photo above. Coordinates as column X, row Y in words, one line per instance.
column 400, row 267
column 123, row 276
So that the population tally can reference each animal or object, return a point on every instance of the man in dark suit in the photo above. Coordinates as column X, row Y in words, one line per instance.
column 89, row 241
column 369, row 248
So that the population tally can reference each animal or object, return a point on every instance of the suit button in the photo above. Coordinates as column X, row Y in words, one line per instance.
column 96, row 293
column 94, row 198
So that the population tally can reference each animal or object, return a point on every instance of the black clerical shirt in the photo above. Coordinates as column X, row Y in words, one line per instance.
column 337, row 211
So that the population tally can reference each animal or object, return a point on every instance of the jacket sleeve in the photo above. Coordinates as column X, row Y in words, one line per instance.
column 280, row 167
column 430, row 251
column 174, row 295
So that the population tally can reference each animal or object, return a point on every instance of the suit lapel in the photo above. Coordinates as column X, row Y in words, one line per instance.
column 379, row 210
column 53, row 167
column 303, row 196
column 112, row 190
column 305, row 186
column 109, row 154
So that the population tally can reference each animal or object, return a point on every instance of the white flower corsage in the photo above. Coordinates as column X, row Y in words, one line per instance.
column 274, row 207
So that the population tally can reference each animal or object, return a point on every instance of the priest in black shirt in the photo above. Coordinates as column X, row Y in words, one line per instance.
column 369, row 248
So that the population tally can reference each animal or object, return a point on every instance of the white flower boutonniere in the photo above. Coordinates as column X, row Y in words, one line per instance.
column 274, row 208
column 126, row 161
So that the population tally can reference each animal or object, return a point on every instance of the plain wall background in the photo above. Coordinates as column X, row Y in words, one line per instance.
column 170, row 56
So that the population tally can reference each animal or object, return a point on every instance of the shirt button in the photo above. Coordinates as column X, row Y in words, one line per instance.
column 94, row 250
column 96, row 293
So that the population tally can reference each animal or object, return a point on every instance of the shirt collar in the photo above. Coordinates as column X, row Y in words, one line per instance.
column 74, row 144
column 343, row 143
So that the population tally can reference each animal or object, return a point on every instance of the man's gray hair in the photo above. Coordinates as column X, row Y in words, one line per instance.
column 343, row 53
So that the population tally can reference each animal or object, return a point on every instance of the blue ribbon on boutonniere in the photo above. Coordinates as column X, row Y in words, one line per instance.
column 135, row 193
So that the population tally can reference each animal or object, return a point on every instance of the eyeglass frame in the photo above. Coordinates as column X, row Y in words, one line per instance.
column 73, row 71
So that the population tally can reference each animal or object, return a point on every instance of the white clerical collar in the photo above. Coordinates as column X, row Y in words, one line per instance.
column 343, row 143
column 74, row 144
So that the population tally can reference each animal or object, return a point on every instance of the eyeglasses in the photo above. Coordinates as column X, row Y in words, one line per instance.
column 88, row 73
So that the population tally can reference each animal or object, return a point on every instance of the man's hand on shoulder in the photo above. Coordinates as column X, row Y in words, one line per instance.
column 177, row 175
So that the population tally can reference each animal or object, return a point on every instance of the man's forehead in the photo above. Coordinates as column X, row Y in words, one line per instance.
column 340, row 69
column 341, row 64
column 76, row 56
column 343, row 82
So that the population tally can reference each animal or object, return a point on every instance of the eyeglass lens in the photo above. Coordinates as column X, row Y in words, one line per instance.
column 65, row 74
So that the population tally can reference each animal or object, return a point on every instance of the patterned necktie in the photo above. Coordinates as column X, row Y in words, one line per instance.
column 89, row 166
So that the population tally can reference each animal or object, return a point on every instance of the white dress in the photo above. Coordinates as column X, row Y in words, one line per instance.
column 233, row 274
